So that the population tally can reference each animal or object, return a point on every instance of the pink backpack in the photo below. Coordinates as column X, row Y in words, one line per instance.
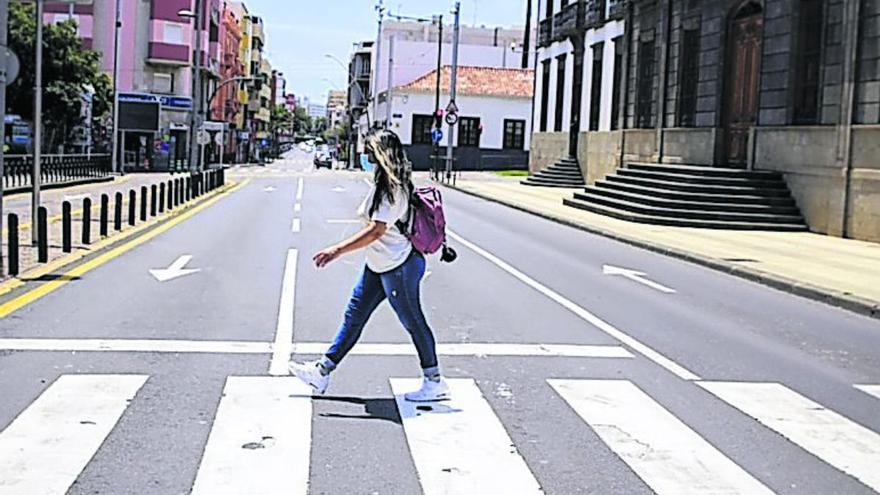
column 427, row 223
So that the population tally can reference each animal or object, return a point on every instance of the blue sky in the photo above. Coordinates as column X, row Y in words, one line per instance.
column 300, row 32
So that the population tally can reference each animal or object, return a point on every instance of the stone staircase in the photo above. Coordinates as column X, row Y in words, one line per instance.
column 694, row 196
column 564, row 173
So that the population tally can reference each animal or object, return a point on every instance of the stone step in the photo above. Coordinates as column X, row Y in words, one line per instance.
column 563, row 174
column 705, row 170
column 691, row 196
column 768, row 183
column 678, row 204
column 553, row 182
column 695, row 214
column 697, row 188
column 681, row 222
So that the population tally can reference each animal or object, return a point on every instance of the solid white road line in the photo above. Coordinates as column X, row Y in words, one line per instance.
column 589, row 317
column 121, row 345
column 260, row 440
column 284, row 330
column 296, row 225
column 476, row 349
column 665, row 453
column 48, row 445
column 460, row 445
column 368, row 182
column 299, row 189
column 348, row 220
column 844, row 444
column 870, row 389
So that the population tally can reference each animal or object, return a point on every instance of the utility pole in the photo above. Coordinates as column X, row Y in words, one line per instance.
column 114, row 153
column 452, row 87
column 389, row 94
column 527, row 39
column 38, row 123
column 438, row 122
column 380, row 8
column 195, row 115
column 4, row 22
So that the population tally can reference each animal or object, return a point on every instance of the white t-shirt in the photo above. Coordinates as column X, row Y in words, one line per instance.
column 391, row 250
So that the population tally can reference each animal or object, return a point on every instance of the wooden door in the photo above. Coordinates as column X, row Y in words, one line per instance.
column 743, row 78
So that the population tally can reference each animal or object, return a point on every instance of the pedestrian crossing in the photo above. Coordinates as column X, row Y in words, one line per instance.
column 261, row 436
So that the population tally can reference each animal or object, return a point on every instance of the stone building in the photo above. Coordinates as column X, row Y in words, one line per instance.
column 763, row 97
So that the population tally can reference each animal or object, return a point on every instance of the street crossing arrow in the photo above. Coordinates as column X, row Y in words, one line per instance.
column 177, row 269
column 635, row 276
column 269, row 189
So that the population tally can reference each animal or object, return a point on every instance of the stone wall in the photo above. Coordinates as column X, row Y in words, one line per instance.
column 694, row 146
column 546, row 149
column 639, row 145
column 599, row 154
column 864, row 207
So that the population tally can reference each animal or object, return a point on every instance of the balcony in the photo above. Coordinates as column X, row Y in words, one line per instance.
column 595, row 13
column 573, row 20
column 569, row 21
column 616, row 9
column 545, row 33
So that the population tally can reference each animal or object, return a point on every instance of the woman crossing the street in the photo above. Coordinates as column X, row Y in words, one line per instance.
column 393, row 271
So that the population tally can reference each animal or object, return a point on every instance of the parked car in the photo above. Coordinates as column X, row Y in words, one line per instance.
column 323, row 159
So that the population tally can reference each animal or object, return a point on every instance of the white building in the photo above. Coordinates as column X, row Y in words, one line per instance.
column 494, row 117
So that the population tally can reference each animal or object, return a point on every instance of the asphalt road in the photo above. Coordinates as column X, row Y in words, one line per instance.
column 681, row 380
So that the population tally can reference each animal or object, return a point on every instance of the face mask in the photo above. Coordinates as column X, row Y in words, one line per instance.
column 365, row 163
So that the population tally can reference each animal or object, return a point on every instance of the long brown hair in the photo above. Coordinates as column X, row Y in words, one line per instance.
column 393, row 169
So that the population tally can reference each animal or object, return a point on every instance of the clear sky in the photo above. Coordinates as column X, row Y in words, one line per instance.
column 300, row 32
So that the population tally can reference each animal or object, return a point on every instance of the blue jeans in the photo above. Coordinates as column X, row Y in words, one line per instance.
column 401, row 287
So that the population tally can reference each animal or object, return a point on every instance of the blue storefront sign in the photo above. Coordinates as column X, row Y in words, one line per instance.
column 178, row 102
column 166, row 101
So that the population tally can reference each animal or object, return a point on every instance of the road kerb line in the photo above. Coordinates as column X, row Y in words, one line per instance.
column 157, row 228
column 582, row 313
column 283, row 345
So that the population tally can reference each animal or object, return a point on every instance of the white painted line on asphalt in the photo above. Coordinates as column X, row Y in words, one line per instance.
column 344, row 221
column 121, row 345
column 175, row 270
column 665, row 453
column 299, row 189
column 587, row 316
column 296, row 225
column 870, row 389
column 49, row 443
column 459, row 446
column 831, row 437
column 636, row 276
column 477, row 349
column 297, row 207
column 260, row 440
column 284, row 331
column 368, row 182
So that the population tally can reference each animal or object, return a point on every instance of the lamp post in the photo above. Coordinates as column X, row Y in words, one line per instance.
column 38, row 123
column 195, row 123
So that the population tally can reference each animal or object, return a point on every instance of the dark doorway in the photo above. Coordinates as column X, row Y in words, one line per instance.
column 743, row 78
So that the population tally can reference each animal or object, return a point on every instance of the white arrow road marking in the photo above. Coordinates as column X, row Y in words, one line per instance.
column 177, row 269
column 269, row 189
column 635, row 276
column 338, row 189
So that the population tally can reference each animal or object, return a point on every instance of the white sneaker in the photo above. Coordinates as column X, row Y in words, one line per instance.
column 431, row 391
column 310, row 373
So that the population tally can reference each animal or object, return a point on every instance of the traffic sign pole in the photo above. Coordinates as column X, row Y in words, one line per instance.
column 452, row 87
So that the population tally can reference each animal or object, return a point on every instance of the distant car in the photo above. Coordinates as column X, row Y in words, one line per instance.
column 323, row 159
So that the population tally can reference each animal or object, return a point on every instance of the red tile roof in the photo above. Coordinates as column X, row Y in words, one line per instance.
column 479, row 81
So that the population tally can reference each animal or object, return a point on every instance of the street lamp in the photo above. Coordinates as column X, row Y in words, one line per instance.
column 195, row 123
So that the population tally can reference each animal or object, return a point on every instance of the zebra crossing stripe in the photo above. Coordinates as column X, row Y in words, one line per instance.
column 665, row 453
column 840, row 442
column 870, row 389
column 460, row 446
column 260, row 440
column 51, row 442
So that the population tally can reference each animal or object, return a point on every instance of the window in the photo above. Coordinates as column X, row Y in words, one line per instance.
column 469, row 132
column 615, row 93
column 514, row 134
column 549, row 11
column 645, row 87
column 421, row 130
column 807, row 59
column 163, row 83
column 596, row 87
column 689, row 75
column 560, row 92
column 173, row 34
column 545, row 93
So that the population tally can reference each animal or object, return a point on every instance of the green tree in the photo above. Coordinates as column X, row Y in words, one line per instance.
column 68, row 69
column 302, row 123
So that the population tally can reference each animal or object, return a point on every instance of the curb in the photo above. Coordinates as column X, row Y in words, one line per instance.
column 842, row 300
column 58, row 185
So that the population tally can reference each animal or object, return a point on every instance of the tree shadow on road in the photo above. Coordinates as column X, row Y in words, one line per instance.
column 374, row 409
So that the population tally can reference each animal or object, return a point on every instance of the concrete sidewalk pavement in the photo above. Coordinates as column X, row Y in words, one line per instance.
column 839, row 271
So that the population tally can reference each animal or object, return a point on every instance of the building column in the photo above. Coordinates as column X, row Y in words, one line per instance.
column 663, row 35
column 851, row 24
column 577, row 86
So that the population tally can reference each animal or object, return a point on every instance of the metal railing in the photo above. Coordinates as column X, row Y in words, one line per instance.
column 54, row 169
column 545, row 32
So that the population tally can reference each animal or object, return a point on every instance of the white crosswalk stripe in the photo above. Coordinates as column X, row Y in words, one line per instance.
column 460, row 446
column 46, row 447
column 840, row 442
column 870, row 389
column 664, row 452
column 260, row 440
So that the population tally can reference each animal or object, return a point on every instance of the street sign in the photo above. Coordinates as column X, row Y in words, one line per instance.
column 452, row 107
column 13, row 65
column 451, row 118
column 218, row 138
column 437, row 135
column 204, row 137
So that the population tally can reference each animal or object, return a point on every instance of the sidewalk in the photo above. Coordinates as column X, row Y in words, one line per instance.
column 839, row 271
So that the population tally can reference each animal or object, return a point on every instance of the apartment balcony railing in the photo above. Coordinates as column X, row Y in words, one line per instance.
column 569, row 20
column 616, row 9
column 595, row 13
column 545, row 33
column 574, row 19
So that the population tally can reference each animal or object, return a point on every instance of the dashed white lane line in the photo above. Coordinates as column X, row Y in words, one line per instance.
column 298, row 207
column 295, row 227
column 299, row 189
column 582, row 313
column 343, row 220
column 284, row 330
column 870, row 389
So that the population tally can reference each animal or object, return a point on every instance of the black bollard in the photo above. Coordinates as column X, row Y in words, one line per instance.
column 105, row 214
column 117, row 212
column 188, row 189
column 153, row 204
column 43, row 233
column 87, row 222
column 132, row 206
column 66, row 243
column 12, row 243
column 161, row 197
column 143, row 203
column 170, row 195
